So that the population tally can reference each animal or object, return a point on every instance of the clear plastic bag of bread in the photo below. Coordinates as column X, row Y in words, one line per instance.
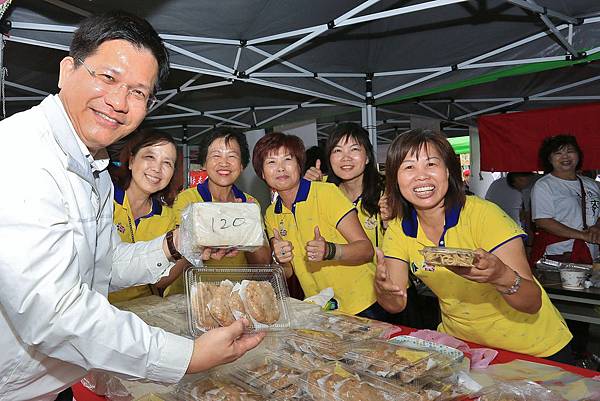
column 220, row 225
column 520, row 390
column 441, row 256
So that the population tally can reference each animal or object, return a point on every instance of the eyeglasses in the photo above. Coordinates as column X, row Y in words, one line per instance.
column 109, row 84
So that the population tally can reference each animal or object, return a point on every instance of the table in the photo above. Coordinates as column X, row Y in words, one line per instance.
column 577, row 304
column 83, row 394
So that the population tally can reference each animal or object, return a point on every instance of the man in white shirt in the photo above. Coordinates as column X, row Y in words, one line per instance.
column 60, row 256
column 506, row 192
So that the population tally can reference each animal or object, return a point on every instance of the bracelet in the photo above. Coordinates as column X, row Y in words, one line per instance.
column 329, row 251
column 171, row 246
column 516, row 285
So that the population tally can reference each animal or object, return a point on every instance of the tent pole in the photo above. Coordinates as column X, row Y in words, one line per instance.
column 369, row 113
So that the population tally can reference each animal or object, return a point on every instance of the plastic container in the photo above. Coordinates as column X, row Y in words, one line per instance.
column 337, row 382
column 350, row 328
column 314, row 347
column 216, row 388
column 218, row 296
column 404, row 360
column 441, row 256
column 272, row 376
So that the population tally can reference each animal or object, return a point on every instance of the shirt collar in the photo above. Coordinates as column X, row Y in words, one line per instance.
column 206, row 196
column 301, row 196
column 119, row 197
column 410, row 223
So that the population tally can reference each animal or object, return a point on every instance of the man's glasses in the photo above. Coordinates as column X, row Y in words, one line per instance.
column 109, row 84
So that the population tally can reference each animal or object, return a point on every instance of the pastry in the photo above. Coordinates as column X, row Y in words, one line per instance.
column 219, row 304
column 261, row 302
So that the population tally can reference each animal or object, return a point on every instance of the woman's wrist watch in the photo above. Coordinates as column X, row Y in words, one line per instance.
column 171, row 246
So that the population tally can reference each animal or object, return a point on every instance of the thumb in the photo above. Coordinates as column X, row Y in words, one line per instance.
column 276, row 234
column 236, row 329
column 317, row 233
column 380, row 257
column 318, row 164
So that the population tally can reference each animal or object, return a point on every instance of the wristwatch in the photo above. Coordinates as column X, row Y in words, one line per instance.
column 171, row 246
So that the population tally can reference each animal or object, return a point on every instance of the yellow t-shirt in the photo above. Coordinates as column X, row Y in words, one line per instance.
column 473, row 311
column 371, row 224
column 160, row 220
column 324, row 205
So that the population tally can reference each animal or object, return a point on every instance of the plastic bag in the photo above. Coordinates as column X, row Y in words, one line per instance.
column 517, row 391
column 106, row 385
column 229, row 225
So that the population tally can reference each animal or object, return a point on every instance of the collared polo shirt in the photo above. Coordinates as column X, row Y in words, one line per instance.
column 158, row 221
column 323, row 205
column 474, row 311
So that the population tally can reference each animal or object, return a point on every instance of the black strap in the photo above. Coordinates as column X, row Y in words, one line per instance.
column 583, row 208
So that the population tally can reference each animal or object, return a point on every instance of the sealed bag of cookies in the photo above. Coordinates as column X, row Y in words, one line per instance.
column 219, row 296
column 221, row 225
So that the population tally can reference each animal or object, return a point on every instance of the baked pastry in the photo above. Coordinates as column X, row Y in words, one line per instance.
column 201, row 296
column 236, row 305
column 260, row 301
column 219, row 304
column 225, row 225
column 440, row 256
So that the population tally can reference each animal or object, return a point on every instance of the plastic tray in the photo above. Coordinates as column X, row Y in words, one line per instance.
column 441, row 256
column 350, row 328
column 201, row 310
column 337, row 382
column 314, row 347
column 404, row 360
column 271, row 375
column 216, row 388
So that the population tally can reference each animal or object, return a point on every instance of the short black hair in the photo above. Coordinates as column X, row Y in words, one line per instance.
column 313, row 154
column 114, row 25
column 555, row 143
column 513, row 175
column 239, row 137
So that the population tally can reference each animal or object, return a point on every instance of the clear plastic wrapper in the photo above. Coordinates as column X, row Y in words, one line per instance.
column 273, row 376
column 217, row 297
column 229, row 225
column 315, row 347
column 351, row 328
column 215, row 388
column 336, row 382
column 404, row 362
column 441, row 256
column 517, row 391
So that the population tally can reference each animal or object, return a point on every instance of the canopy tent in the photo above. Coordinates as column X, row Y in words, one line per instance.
column 257, row 63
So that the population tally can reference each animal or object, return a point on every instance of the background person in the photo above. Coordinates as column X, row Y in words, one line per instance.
column 62, row 254
column 313, row 228
column 497, row 302
column 144, row 191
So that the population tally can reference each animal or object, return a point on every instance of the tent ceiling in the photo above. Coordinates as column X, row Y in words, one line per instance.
column 246, row 63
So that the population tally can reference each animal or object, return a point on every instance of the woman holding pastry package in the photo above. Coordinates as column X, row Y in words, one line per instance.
column 495, row 301
column 313, row 228
column 224, row 155
column 144, row 191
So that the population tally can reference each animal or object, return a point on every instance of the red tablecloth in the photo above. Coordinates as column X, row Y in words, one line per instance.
column 83, row 394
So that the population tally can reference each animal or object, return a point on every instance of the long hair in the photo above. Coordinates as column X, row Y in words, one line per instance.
column 372, row 181
column 137, row 141
column 411, row 142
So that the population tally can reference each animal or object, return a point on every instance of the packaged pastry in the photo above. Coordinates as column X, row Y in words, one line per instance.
column 215, row 388
column 320, row 345
column 441, row 256
column 351, row 328
column 219, row 296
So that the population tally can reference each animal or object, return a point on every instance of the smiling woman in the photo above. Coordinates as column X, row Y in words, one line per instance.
column 496, row 301
column 144, row 191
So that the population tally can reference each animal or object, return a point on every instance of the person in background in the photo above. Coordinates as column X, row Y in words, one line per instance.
column 349, row 154
column 496, row 302
column 565, row 210
column 507, row 192
column 315, row 156
column 224, row 155
column 314, row 229
column 144, row 191
column 62, row 254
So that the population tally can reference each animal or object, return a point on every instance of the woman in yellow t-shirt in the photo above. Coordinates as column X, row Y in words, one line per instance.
column 497, row 303
column 313, row 227
column 144, row 191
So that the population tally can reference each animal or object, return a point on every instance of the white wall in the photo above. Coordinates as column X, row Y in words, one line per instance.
column 249, row 182
column 306, row 130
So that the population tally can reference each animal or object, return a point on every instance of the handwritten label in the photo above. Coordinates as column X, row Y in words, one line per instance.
column 226, row 223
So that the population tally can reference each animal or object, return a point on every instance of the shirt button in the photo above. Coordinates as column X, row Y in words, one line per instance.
column 441, row 242
column 159, row 264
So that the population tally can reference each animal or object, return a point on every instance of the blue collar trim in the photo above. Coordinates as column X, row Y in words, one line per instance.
column 410, row 224
column 301, row 196
column 119, row 195
column 204, row 192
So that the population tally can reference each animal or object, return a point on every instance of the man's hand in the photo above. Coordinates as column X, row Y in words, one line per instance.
column 314, row 173
column 282, row 249
column 316, row 248
column 222, row 345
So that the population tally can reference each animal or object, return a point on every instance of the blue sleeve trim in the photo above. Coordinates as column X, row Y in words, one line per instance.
column 345, row 214
column 508, row 240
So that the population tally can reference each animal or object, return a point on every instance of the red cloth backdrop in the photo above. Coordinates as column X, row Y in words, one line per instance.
column 510, row 142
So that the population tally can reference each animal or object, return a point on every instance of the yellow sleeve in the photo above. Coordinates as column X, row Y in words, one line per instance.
column 184, row 198
column 492, row 227
column 270, row 223
column 333, row 201
column 394, row 242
